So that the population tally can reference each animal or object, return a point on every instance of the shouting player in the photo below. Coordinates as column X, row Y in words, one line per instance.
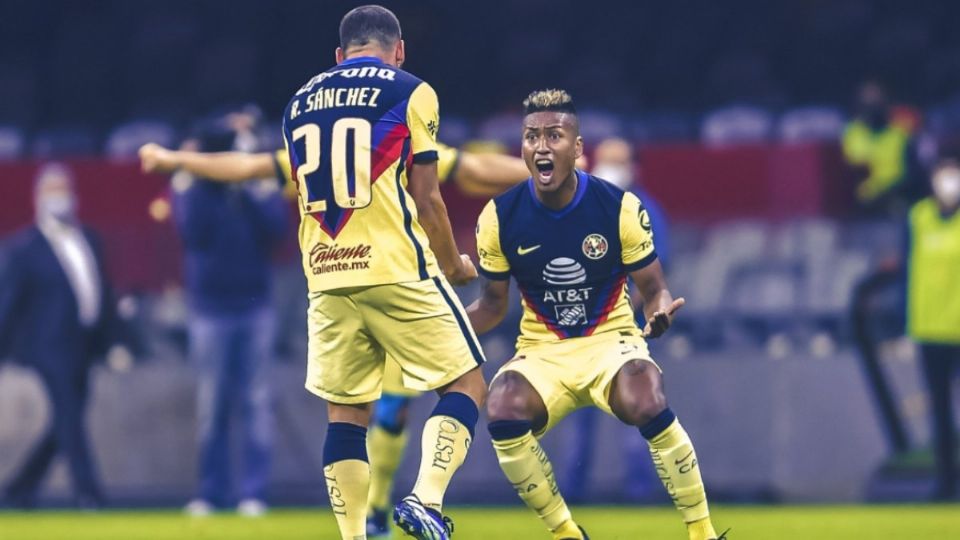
column 570, row 240
column 478, row 174
column 374, row 236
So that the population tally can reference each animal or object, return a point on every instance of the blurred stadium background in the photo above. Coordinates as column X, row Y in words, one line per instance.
column 737, row 113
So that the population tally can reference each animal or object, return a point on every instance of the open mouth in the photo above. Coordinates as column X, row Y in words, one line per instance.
column 545, row 168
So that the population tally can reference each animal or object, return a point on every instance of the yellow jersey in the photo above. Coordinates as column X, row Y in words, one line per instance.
column 351, row 133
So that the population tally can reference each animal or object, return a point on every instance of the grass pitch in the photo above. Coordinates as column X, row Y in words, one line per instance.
column 893, row 522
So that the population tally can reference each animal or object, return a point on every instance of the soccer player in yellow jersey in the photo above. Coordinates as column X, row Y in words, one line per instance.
column 478, row 174
column 379, row 255
column 571, row 240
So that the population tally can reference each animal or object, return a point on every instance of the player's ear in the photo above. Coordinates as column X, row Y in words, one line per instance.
column 579, row 147
column 339, row 55
column 400, row 54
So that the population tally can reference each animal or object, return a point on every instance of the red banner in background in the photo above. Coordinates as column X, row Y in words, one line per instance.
column 693, row 183
column 701, row 184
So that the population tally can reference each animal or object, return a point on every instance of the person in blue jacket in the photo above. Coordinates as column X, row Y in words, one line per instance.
column 229, row 233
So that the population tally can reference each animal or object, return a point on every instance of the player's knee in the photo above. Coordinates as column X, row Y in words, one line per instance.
column 390, row 413
column 638, row 394
column 472, row 384
column 639, row 410
column 508, row 399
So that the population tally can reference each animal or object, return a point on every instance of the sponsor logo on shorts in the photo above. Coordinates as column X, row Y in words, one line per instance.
column 326, row 258
column 595, row 246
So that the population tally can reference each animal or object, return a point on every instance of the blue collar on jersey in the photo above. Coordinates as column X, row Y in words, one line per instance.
column 582, row 180
column 359, row 59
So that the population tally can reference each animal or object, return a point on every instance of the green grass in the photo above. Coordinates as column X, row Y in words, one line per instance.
column 934, row 522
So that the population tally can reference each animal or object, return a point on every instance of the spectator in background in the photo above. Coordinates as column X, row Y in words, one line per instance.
column 229, row 233
column 933, row 309
column 614, row 162
column 879, row 144
column 57, row 315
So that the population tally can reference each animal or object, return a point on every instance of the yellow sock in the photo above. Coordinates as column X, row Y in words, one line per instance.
column 386, row 451
column 347, row 484
column 676, row 465
column 444, row 448
column 527, row 467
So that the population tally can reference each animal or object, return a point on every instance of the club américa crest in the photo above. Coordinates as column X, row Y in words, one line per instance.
column 595, row 246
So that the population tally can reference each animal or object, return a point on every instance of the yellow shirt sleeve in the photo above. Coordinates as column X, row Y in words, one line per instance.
column 636, row 234
column 423, row 120
column 447, row 161
column 493, row 263
column 281, row 162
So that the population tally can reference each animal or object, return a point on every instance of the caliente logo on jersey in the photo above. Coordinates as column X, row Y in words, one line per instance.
column 564, row 271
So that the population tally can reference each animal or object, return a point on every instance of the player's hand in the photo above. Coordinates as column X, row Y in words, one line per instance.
column 661, row 320
column 155, row 158
column 466, row 273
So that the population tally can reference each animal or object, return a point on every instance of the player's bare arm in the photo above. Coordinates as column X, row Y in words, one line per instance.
column 659, row 306
column 222, row 166
column 432, row 213
column 488, row 174
column 488, row 311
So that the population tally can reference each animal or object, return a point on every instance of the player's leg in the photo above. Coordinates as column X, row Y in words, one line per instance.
column 386, row 442
column 338, row 337
column 447, row 436
column 346, row 466
column 515, row 412
column 637, row 398
column 425, row 328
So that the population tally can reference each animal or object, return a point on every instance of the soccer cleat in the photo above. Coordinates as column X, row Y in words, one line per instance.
column 252, row 508
column 421, row 522
column 723, row 535
column 377, row 526
column 198, row 508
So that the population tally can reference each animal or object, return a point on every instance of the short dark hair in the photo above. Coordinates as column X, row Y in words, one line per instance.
column 366, row 24
column 551, row 99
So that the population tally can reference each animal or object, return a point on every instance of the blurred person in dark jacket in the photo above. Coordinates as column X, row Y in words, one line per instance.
column 57, row 315
column 933, row 309
column 229, row 233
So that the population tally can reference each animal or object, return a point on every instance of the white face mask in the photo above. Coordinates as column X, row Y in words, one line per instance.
column 57, row 205
column 618, row 175
column 946, row 187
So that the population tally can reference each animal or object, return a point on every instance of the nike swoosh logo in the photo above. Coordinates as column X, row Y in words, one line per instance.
column 523, row 251
column 679, row 461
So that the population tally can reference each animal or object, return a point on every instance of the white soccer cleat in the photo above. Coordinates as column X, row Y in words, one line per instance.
column 198, row 508
column 252, row 508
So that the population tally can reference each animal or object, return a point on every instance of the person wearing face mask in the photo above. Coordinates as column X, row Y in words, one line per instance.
column 613, row 162
column 933, row 309
column 57, row 315
column 879, row 145
column 229, row 233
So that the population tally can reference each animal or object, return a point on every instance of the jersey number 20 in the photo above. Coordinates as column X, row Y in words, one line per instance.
column 339, row 174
